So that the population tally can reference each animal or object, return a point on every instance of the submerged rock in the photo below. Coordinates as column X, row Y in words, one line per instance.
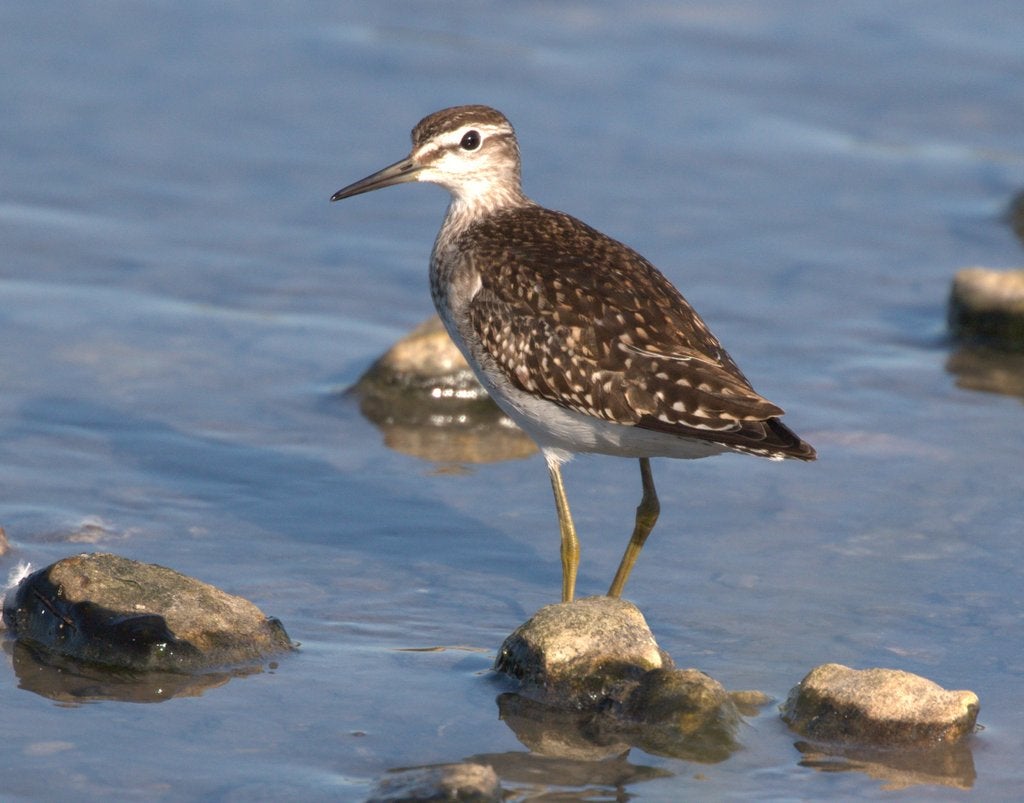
column 110, row 611
column 878, row 708
column 988, row 306
column 684, row 713
column 473, row 783
column 593, row 682
column 428, row 403
column 749, row 702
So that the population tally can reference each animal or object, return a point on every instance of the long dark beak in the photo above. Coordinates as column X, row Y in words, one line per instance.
column 398, row 173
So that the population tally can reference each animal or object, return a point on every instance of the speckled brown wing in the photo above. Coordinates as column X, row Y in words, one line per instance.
column 582, row 320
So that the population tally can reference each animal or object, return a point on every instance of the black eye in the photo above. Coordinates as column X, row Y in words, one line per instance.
column 470, row 141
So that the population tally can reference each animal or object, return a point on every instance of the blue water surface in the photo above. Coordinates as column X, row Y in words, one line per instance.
column 181, row 309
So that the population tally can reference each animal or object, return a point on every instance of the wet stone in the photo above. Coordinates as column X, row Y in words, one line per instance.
column 427, row 360
column 749, row 703
column 427, row 402
column 578, row 654
column 110, row 611
column 878, row 708
column 473, row 783
column 987, row 306
column 684, row 713
column 687, row 699
column 594, row 682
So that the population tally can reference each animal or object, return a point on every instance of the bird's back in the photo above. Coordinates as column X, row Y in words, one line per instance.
column 574, row 317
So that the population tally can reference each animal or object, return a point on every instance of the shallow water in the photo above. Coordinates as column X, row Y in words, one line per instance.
column 182, row 310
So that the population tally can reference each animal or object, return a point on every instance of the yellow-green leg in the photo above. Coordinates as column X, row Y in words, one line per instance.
column 570, row 543
column 646, row 517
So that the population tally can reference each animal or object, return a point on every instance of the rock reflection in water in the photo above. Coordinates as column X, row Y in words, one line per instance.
column 599, row 735
column 541, row 773
column 945, row 765
column 989, row 370
column 72, row 682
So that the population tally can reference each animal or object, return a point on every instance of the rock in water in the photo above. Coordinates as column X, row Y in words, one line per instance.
column 685, row 713
column 878, row 708
column 593, row 681
column 424, row 398
column 111, row 611
column 581, row 652
column 988, row 306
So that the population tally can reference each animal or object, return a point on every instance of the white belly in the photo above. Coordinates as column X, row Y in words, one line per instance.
column 563, row 431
